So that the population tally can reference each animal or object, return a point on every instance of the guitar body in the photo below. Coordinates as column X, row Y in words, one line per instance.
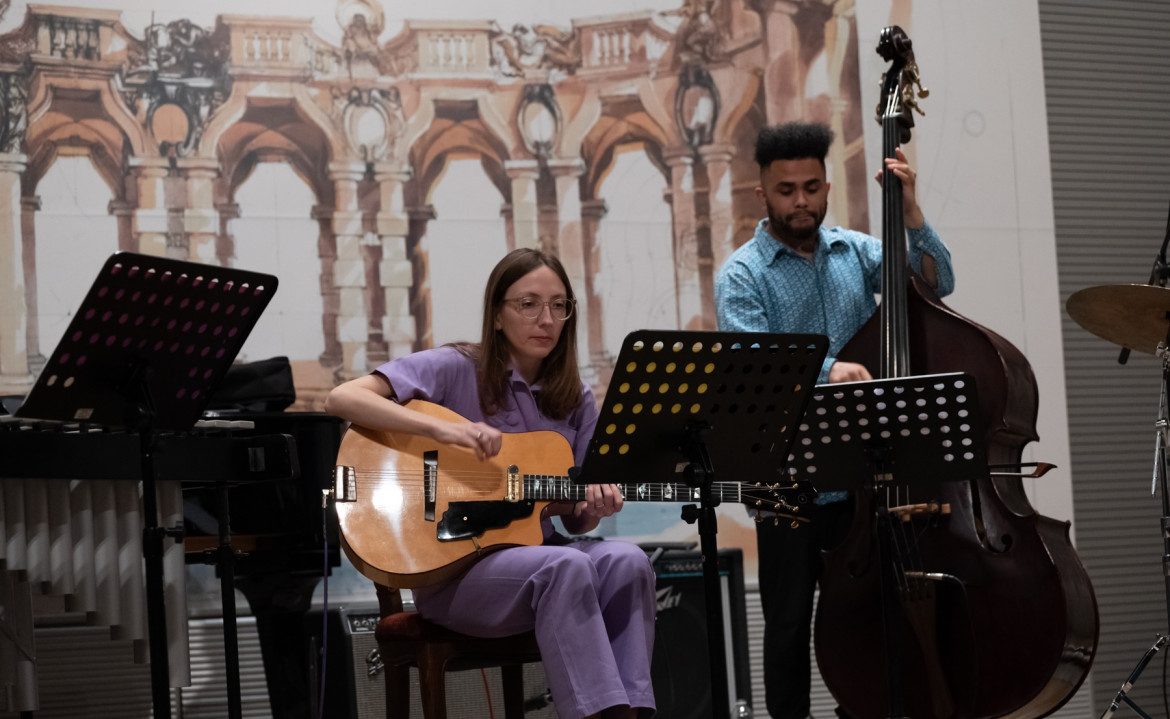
column 387, row 531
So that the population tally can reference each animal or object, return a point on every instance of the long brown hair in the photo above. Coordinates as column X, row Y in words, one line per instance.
column 560, row 380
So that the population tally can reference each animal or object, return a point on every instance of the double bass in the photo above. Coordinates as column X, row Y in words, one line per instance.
column 991, row 613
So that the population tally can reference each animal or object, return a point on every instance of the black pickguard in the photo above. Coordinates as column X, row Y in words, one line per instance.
column 464, row 520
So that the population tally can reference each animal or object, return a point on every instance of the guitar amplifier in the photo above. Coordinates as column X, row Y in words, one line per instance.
column 355, row 687
column 681, row 668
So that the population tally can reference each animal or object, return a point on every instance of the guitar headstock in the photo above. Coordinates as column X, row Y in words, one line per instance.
column 780, row 501
column 901, row 83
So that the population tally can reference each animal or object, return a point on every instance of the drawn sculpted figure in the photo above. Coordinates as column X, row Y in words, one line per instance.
column 536, row 46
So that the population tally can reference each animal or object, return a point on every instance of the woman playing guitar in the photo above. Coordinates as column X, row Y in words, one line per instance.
column 591, row 604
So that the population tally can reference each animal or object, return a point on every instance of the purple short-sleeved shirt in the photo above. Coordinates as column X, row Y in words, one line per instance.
column 446, row 377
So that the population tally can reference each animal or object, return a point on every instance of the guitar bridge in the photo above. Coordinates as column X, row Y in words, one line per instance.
column 344, row 484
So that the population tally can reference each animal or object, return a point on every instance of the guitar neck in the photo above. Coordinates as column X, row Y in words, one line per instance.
column 563, row 489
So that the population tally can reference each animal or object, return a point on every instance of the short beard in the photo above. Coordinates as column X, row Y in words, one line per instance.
column 803, row 238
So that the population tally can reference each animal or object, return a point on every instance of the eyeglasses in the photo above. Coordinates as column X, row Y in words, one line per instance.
column 530, row 308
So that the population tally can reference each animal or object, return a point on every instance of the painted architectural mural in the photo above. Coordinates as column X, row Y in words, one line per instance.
column 379, row 165
column 177, row 119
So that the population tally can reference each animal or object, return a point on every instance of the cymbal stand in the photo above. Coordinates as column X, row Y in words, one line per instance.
column 1158, row 484
column 1159, row 274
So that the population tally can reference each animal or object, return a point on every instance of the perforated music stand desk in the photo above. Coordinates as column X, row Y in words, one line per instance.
column 147, row 346
column 696, row 404
column 909, row 432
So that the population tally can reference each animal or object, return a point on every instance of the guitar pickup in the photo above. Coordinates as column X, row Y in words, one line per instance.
column 430, row 483
column 344, row 484
column 515, row 492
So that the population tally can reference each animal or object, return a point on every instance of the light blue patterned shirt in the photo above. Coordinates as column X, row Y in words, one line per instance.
column 766, row 286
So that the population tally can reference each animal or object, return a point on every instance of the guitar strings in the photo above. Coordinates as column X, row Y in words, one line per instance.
column 627, row 488
column 528, row 477
column 727, row 491
column 482, row 478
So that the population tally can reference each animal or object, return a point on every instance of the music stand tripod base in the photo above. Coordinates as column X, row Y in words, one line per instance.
column 698, row 404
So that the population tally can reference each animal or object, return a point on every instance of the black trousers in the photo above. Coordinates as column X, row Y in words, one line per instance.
column 789, row 567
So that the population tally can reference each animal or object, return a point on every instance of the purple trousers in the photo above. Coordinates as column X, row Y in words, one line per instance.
column 591, row 603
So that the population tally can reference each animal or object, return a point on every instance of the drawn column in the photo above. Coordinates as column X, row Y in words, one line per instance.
column 150, row 223
column 420, row 272
column 395, row 271
column 782, row 77
column 330, row 300
column 591, row 213
column 225, row 241
column 687, row 282
column 29, row 205
column 525, row 218
column 14, row 369
column 717, row 159
column 349, row 269
column 200, row 223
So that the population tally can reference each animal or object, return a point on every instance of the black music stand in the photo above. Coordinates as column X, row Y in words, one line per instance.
column 869, row 436
column 147, row 346
column 692, row 403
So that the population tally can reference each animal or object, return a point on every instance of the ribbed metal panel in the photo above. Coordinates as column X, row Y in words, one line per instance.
column 1107, row 75
column 83, row 673
column 821, row 702
column 206, row 698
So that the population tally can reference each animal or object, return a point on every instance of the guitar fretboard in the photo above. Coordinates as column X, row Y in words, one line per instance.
column 561, row 488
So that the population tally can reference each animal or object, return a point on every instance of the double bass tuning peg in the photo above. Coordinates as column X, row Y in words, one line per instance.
column 912, row 88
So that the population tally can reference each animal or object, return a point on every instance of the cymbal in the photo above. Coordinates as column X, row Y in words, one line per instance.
column 1133, row 316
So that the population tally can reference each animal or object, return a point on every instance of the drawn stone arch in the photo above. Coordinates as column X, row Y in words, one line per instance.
column 611, row 132
column 429, row 158
column 438, row 109
column 74, row 97
column 452, row 132
column 58, row 131
column 244, row 107
column 279, row 132
column 238, row 172
column 63, row 113
column 431, row 172
column 92, row 138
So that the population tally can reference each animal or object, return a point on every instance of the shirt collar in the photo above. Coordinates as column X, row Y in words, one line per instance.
column 773, row 249
column 516, row 378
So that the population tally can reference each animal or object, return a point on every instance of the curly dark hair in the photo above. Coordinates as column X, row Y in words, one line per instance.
column 793, row 141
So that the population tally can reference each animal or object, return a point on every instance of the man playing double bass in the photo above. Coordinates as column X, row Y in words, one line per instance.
column 796, row 276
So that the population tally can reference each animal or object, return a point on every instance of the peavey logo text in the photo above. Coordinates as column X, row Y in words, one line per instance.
column 668, row 598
